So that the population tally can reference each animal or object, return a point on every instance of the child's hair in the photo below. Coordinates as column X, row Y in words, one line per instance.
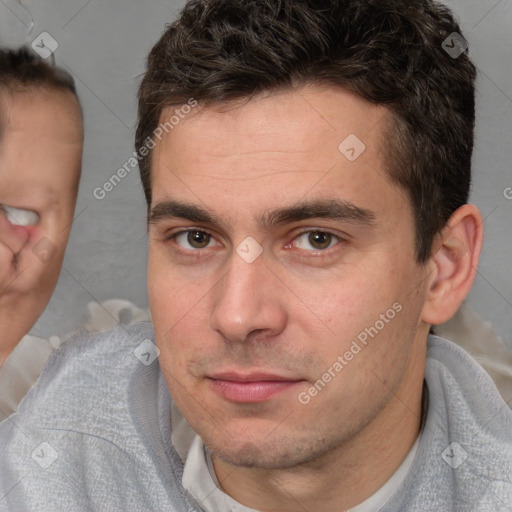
column 22, row 70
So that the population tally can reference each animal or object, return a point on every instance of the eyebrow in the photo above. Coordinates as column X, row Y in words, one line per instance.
column 176, row 209
column 320, row 209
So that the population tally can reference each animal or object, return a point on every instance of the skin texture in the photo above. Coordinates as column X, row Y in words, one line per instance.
column 40, row 164
column 297, row 307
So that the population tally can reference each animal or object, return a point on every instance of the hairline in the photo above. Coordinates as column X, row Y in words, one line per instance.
column 386, row 134
column 390, row 121
column 59, row 92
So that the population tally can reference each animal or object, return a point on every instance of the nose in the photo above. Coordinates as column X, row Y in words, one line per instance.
column 248, row 302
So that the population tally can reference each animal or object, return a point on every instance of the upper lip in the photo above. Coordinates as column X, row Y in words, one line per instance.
column 251, row 377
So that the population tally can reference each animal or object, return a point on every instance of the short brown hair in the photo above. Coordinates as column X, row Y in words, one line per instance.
column 388, row 52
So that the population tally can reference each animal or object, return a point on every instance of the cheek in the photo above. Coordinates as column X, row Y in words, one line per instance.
column 343, row 301
column 48, row 271
column 359, row 305
column 178, row 305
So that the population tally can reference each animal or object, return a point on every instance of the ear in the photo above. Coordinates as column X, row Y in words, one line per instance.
column 453, row 264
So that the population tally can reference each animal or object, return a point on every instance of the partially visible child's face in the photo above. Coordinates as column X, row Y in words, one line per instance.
column 40, row 160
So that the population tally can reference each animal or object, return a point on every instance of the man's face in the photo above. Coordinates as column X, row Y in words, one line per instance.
column 250, row 329
column 40, row 161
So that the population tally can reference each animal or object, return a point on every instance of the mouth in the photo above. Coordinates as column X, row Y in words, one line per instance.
column 250, row 388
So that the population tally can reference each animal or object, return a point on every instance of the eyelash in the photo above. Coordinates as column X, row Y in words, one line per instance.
column 316, row 252
column 195, row 253
column 199, row 252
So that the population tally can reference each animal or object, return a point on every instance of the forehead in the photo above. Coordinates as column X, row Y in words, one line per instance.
column 276, row 147
column 40, row 146
column 278, row 121
column 47, row 113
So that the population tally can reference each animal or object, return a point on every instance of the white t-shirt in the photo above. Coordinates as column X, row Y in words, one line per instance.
column 200, row 480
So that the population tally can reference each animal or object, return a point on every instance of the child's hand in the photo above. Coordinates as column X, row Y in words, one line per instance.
column 14, row 234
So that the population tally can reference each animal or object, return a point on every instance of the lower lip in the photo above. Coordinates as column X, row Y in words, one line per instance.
column 250, row 392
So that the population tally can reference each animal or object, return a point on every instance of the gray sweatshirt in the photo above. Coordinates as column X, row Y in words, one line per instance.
column 94, row 434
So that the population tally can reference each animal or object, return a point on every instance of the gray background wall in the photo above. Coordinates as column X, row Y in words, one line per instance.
column 104, row 45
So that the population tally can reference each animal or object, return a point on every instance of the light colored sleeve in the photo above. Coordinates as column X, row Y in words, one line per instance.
column 21, row 370
column 24, row 364
column 479, row 339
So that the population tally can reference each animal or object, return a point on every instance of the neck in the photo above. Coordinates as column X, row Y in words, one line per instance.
column 346, row 476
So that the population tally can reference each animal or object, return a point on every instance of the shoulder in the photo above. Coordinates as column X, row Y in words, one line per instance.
column 114, row 343
column 89, row 372
column 21, row 370
column 88, row 362
column 464, row 459
column 462, row 388
column 87, row 435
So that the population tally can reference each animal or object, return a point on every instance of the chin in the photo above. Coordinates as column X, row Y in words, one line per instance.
column 276, row 454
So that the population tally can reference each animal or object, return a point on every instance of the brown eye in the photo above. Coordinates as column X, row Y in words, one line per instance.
column 198, row 239
column 320, row 240
column 316, row 240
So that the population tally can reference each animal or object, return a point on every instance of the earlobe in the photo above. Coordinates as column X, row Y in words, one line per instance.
column 453, row 264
